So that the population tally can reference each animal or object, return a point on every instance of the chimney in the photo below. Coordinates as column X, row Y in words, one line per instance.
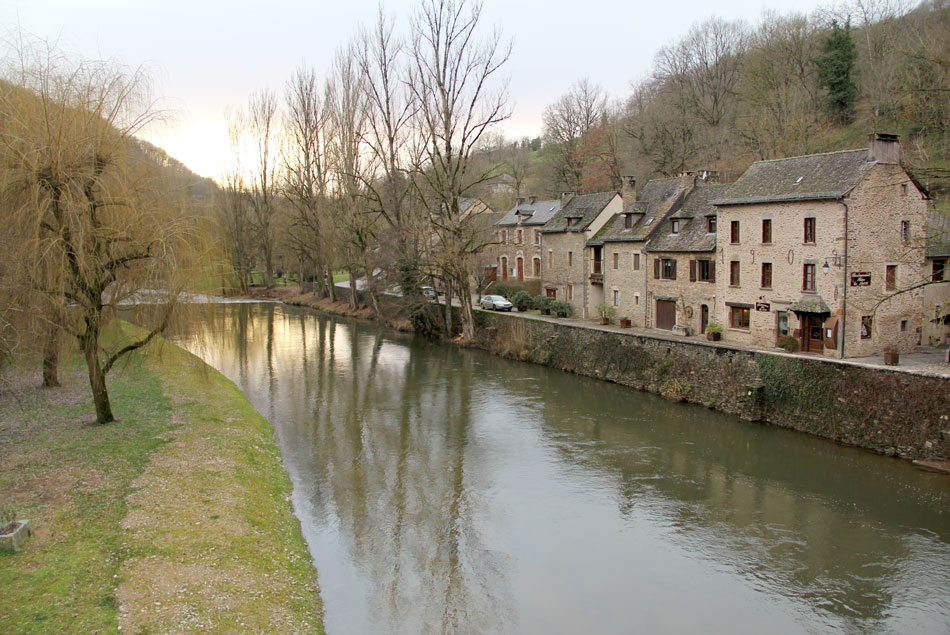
column 566, row 196
column 532, row 199
column 884, row 148
column 708, row 177
column 519, row 201
column 629, row 191
column 687, row 179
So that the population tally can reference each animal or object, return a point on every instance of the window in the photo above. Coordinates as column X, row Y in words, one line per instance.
column 570, row 292
column 903, row 326
column 636, row 262
column 667, row 268
column 766, row 275
column 504, row 236
column 809, row 230
column 627, row 221
column 616, row 298
column 905, row 231
column 782, row 321
column 808, row 277
column 570, row 221
column 570, row 259
column 710, row 224
column 938, row 269
column 537, row 237
column 767, row 230
column 675, row 226
column 866, row 327
column 636, row 299
column 520, row 236
column 903, row 189
column 616, row 259
column 739, row 317
column 890, row 277
column 704, row 271
column 536, row 265
column 550, row 257
column 734, row 273
column 734, row 232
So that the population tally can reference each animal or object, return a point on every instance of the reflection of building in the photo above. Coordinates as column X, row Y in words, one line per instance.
column 825, row 248
column 518, row 238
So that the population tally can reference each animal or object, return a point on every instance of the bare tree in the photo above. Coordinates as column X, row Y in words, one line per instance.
column 568, row 123
column 451, row 77
column 97, row 224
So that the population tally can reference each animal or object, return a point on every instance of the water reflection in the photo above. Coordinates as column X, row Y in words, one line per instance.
column 449, row 491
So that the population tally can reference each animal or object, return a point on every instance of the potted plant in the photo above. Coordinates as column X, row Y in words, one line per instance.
column 543, row 304
column 625, row 323
column 605, row 311
column 561, row 308
column 13, row 532
column 713, row 332
column 891, row 356
column 521, row 299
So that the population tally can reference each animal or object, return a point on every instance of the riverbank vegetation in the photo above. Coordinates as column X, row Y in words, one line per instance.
column 178, row 518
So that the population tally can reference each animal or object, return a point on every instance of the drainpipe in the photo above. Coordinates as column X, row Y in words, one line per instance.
column 844, row 301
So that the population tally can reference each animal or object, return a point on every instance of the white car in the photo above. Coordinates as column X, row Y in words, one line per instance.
column 495, row 302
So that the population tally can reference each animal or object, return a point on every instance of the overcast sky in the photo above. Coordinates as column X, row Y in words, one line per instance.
column 207, row 56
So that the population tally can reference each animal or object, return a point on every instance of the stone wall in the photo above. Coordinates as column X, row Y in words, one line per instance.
column 887, row 411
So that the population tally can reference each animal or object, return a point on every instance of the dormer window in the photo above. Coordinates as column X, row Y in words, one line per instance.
column 675, row 226
column 627, row 221
column 710, row 224
column 570, row 221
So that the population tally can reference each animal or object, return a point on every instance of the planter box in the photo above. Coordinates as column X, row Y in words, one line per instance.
column 604, row 321
column 713, row 337
column 625, row 323
column 562, row 314
column 14, row 540
column 891, row 358
column 681, row 329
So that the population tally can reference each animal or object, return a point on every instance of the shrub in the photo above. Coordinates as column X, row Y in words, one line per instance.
column 714, row 327
column 541, row 302
column 604, row 310
column 561, row 307
column 521, row 298
column 789, row 343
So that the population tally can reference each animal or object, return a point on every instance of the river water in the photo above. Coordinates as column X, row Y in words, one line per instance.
column 450, row 491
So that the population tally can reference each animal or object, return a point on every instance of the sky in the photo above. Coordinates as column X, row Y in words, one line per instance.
column 207, row 57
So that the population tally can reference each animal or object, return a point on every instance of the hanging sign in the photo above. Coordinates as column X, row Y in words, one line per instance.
column 861, row 279
column 763, row 306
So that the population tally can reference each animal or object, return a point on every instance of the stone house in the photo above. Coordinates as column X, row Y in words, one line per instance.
column 618, row 250
column 681, row 275
column 517, row 238
column 827, row 249
column 566, row 268
column 936, row 310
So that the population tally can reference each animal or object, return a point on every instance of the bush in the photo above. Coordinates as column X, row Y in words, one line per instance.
column 789, row 343
column 541, row 302
column 521, row 298
column 714, row 327
column 560, row 306
column 604, row 310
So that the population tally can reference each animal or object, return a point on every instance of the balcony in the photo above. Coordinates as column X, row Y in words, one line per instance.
column 597, row 272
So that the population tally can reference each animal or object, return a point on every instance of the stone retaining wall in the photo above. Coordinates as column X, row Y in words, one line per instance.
column 887, row 411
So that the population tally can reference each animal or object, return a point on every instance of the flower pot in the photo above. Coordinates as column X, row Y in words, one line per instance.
column 562, row 314
column 604, row 321
column 713, row 337
column 625, row 323
column 12, row 540
column 891, row 357
column 522, row 309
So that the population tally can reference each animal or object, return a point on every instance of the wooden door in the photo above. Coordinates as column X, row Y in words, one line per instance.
column 703, row 318
column 504, row 268
column 665, row 314
column 520, row 268
column 814, row 336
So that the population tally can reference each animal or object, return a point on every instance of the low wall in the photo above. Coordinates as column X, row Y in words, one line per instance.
column 887, row 411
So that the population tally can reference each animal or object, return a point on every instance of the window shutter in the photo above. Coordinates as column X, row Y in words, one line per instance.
column 656, row 268
column 692, row 271
column 712, row 270
column 673, row 272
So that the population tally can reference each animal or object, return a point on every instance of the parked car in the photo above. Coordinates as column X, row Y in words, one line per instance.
column 495, row 302
column 427, row 292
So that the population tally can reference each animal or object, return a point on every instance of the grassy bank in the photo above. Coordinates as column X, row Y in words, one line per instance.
column 175, row 518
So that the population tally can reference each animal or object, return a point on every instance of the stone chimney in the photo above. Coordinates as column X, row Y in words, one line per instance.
column 884, row 148
column 629, row 191
column 519, row 200
column 532, row 200
column 708, row 177
column 566, row 196
column 687, row 179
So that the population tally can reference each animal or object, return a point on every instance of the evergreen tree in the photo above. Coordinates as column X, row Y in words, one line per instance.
column 836, row 73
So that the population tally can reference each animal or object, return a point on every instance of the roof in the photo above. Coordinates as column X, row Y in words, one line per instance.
column 584, row 208
column 537, row 213
column 810, row 304
column 657, row 198
column 812, row 177
column 692, row 215
column 938, row 234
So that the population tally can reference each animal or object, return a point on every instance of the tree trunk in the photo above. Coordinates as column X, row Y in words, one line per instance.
column 465, row 310
column 371, row 289
column 331, row 286
column 51, row 358
column 353, row 290
column 448, row 309
column 97, row 378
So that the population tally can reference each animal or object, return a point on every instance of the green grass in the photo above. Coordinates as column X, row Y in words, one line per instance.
column 193, row 472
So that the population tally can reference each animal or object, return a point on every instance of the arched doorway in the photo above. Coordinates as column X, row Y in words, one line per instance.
column 520, row 263
column 504, row 267
column 537, row 267
column 703, row 318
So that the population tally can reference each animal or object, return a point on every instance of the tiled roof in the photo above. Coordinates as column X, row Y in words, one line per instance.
column 540, row 213
column 938, row 234
column 584, row 208
column 812, row 177
column 656, row 200
column 692, row 215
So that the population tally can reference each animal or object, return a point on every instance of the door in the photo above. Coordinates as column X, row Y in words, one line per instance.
column 814, row 336
column 703, row 318
column 504, row 268
column 781, row 326
column 520, row 268
column 665, row 314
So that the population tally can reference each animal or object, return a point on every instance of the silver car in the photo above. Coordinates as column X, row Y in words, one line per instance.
column 495, row 302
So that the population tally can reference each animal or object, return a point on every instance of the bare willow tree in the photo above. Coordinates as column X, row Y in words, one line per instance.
column 98, row 228
column 305, row 181
column 452, row 76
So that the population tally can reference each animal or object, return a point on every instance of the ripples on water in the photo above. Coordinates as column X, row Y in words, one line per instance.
column 449, row 491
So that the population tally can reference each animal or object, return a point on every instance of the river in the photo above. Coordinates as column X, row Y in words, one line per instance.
column 450, row 491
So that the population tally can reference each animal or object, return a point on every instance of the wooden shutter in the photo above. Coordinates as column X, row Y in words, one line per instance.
column 712, row 270
column 656, row 268
column 692, row 271
column 673, row 272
